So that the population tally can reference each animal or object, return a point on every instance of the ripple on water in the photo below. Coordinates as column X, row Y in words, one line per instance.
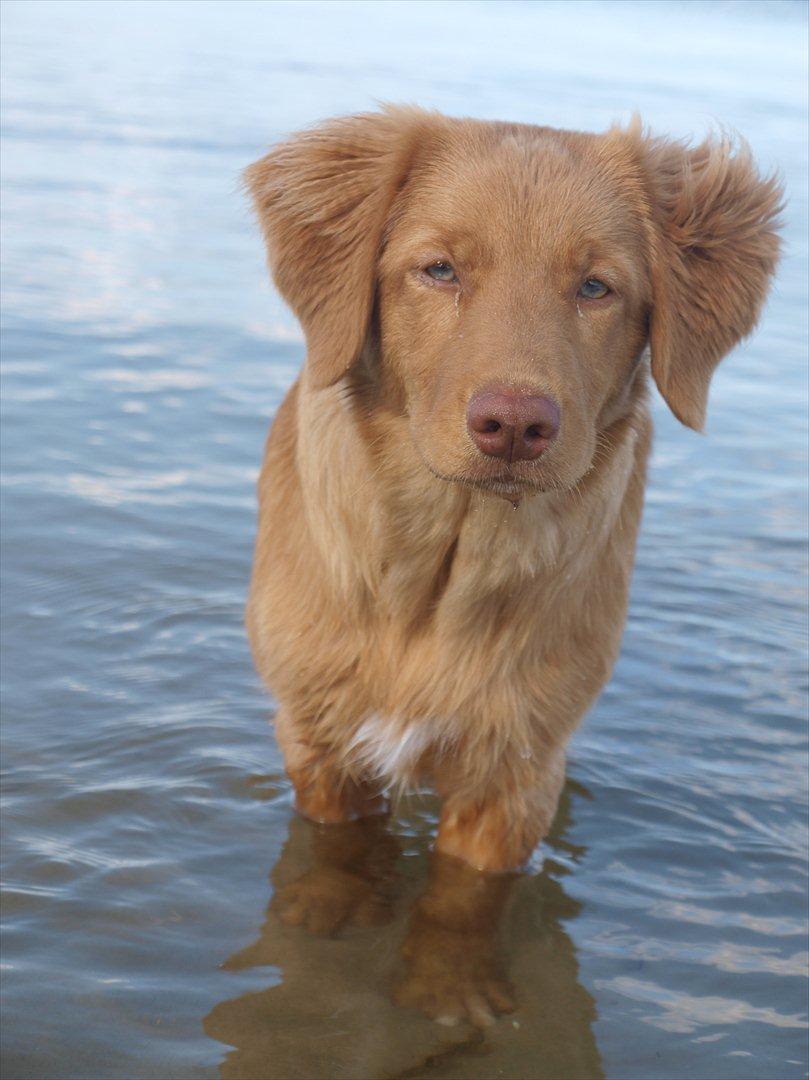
column 661, row 931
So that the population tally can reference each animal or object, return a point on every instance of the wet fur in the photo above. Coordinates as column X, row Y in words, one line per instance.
column 411, row 622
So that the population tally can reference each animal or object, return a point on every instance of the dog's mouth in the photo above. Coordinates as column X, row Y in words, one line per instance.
column 514, row 481
column 507, row 483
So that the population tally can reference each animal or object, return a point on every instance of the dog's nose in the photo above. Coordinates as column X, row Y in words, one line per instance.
column 507, row 424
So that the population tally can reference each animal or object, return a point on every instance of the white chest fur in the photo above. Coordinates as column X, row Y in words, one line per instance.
column 391, row 750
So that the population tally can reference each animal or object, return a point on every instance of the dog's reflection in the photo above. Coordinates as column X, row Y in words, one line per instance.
column 453, row 969
column 371, row 955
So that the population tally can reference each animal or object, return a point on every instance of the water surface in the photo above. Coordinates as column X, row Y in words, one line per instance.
column 661, row 931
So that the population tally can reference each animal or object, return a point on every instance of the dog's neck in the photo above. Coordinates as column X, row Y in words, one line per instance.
column 391, row 533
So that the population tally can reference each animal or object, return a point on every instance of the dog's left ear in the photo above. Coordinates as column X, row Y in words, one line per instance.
column 715, row 249
column 323, row 200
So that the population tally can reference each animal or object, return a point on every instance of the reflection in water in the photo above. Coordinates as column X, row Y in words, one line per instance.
column 366, row 951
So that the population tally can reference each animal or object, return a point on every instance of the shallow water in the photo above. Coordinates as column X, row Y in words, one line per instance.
column 150, row 841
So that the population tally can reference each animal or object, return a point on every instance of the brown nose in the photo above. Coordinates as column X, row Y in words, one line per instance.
column 510, row 425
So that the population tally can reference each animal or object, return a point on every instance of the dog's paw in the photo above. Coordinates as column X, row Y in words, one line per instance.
column 328, row 898
column 453, row 977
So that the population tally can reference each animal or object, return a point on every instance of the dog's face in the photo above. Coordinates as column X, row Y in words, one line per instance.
column 513, row 292
column 502, row 281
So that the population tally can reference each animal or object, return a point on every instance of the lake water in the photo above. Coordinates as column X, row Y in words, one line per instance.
column 661, row 931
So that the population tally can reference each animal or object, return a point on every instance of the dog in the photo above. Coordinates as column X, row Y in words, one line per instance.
column 451, row 491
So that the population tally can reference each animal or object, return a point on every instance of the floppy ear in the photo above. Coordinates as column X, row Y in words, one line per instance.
column 323, row 200
column 716, row 250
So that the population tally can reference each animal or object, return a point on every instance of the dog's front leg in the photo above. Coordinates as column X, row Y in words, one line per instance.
column 498, row 828
column 325, row 792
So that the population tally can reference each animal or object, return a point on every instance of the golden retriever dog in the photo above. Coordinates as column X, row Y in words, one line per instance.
column 451, row 491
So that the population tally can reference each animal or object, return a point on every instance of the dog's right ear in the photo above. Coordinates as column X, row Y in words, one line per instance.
column 323, row 200
column 716, row 249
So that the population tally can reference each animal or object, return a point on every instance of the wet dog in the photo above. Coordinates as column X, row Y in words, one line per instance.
column 451, row 491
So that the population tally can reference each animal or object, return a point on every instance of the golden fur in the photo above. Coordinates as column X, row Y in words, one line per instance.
column 420, row 610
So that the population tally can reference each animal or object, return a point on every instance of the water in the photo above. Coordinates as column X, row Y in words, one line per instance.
column 662, row 930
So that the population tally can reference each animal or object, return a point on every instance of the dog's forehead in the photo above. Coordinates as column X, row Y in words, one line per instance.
column 532, row 187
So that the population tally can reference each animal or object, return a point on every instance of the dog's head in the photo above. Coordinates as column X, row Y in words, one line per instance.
column 504, row 280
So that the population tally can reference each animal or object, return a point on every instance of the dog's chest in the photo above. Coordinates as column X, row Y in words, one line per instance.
column 495, row 552
column 393, row 750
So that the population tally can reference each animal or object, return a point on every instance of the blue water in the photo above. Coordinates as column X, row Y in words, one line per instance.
column 662, row 930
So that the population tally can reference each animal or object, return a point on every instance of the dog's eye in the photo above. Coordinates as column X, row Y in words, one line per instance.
column 593, row 289
column 441, row 271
